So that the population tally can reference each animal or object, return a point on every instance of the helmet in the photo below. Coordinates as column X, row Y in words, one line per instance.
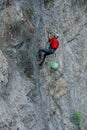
column 56, row 35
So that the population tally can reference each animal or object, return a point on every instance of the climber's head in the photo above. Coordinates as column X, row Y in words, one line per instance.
column 56, row 35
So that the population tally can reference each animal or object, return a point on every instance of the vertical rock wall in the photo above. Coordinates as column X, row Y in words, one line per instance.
column 38, row 98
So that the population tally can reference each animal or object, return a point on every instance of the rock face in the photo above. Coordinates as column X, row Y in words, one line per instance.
column 5, row 116
column 3, row 70
column 39, row 98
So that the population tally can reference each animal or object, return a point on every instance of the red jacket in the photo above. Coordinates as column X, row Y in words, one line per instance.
column 54, row 43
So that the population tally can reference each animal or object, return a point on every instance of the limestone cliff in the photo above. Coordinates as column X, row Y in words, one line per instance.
column 34, row 97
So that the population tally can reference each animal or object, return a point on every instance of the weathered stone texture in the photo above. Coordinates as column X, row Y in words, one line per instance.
column 39, row 98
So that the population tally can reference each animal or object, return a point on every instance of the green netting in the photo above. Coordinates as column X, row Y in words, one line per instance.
column 54, row 65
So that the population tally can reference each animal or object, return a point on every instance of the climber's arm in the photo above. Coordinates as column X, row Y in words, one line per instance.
column 49, row 36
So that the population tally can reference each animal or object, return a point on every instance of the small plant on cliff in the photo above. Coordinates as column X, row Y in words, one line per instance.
column 5, row 3
column 15, row 26
column 77, row 119
column 28, row 11
column 80, row 1
column 8, row 3
column 18, row 27
column 50, row 2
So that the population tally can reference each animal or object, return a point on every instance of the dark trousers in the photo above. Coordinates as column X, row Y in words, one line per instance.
column 46, row 51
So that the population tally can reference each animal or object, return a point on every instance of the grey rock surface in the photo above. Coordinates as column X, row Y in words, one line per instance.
column 38, row 98
column 3, row 70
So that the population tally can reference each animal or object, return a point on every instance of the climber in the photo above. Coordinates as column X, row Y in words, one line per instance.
column 54, row 44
